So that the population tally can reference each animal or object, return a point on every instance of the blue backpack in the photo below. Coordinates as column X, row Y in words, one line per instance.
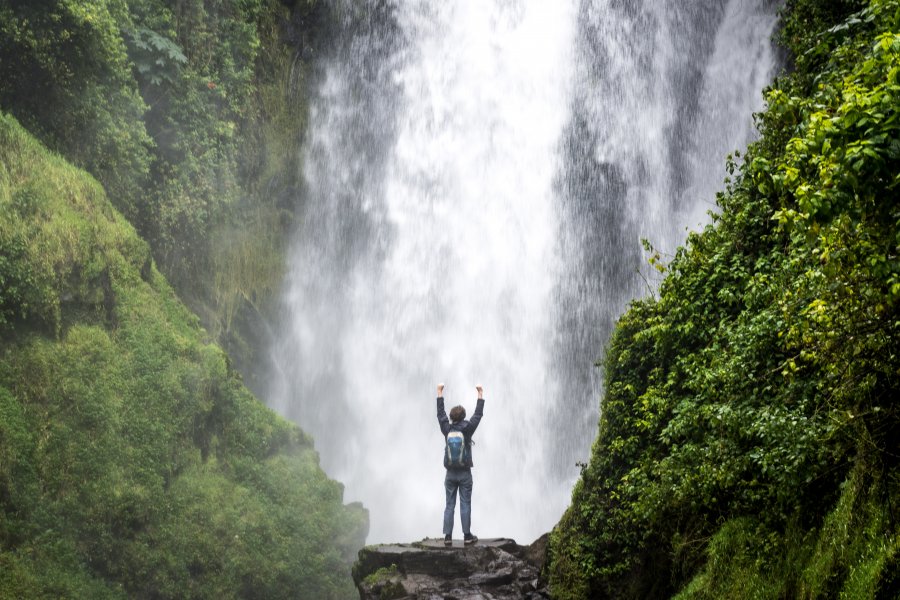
column 456, row 449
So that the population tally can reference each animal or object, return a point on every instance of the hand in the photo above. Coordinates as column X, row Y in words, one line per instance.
column 440, row 390
column 480, row 391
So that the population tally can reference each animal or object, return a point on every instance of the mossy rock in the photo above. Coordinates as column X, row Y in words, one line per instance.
column 385, row 583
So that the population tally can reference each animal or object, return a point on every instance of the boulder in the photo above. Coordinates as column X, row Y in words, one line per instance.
column 497, row 569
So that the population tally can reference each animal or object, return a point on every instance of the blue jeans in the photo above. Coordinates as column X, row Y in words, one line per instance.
column 458, row 479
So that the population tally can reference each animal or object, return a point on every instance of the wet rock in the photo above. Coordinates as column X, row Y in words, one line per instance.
column 492, row 569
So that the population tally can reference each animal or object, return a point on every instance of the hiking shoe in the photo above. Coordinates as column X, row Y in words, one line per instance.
column 470, row 538
column 448, row 541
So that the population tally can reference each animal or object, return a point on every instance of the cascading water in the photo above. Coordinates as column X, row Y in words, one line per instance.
column 478, row 177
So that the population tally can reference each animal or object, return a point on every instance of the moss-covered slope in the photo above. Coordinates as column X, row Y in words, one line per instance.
column 133, row 463
column 750, row 431
column 190, row 114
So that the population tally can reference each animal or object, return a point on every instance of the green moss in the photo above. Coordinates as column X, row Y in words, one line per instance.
column 851, row 555
column 384, row 583
column 381, row 575
column 131, row 456
column 736, row 567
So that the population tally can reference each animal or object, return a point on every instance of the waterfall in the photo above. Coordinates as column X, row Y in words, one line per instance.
column 478, row 177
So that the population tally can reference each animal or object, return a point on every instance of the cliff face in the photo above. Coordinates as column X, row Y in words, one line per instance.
column 494, row 568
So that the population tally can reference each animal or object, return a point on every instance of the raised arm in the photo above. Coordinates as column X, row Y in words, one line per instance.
column 443, row 421
column 479, row 411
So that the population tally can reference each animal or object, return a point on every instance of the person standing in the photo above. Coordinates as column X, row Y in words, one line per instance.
column 457, row 433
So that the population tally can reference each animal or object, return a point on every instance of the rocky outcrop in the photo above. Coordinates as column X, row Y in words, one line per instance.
column 497, row 569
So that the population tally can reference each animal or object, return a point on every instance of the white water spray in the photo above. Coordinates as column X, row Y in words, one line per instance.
column 478, row 175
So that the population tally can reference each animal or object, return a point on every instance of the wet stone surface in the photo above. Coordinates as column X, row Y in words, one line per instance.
column 491, row 569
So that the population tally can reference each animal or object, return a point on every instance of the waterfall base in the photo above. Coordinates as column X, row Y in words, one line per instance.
column 494, row 568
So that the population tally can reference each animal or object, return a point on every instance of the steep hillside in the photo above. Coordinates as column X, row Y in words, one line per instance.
column 750, row 433
column 190, row 114
column 133, row 462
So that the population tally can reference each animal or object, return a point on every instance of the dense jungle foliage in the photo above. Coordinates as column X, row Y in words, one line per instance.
column 189, row 113
column 133, row 462
column 749, row 440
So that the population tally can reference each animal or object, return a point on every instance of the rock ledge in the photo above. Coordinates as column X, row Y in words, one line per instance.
column 496, row 569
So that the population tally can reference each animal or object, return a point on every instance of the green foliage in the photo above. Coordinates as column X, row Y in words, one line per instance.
column 739, row 402
column 67, row 78
column 738, row 565
column 133, row 461
column 851, row 555
column 227, row 126
column 156, row 58
column 189, row 113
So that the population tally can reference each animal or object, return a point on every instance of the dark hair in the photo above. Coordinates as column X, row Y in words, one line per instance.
column 457, row 414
